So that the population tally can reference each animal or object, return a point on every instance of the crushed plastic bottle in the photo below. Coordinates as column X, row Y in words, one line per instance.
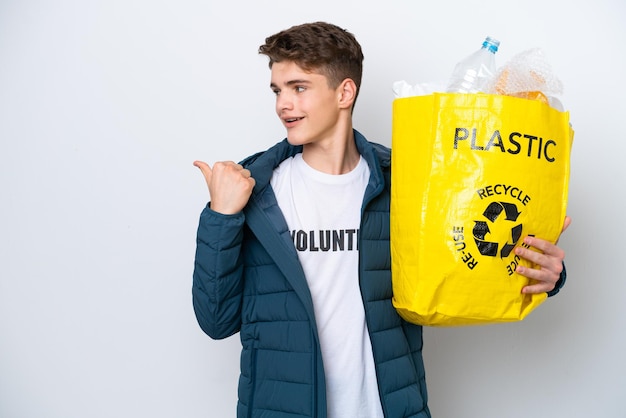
column 472, row 74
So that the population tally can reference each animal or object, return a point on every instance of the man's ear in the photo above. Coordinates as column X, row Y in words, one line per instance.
column 347, row 93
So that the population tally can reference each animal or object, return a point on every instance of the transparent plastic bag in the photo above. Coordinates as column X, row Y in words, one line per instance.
column 528, row 75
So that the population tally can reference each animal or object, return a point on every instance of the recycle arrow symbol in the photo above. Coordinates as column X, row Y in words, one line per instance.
column 516, row 233
column 481, row 229
column 484, row 247
column 495, row 209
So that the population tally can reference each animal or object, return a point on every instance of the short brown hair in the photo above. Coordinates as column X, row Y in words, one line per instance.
column 323, row 47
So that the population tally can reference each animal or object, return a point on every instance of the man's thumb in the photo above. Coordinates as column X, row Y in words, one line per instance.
column 205, row 168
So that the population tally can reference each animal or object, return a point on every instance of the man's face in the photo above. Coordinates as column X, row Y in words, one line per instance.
column 305, row 103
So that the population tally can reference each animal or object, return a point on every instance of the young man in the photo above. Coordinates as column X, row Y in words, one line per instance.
column 293, row 251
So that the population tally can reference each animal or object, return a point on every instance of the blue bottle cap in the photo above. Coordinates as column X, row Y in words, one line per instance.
column 491, row 44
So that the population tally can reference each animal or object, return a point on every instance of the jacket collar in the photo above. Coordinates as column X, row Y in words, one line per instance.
column 262, row 164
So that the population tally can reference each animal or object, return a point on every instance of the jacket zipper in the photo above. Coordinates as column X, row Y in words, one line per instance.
column 253, row 387
column 315, row 378
column 367, row 199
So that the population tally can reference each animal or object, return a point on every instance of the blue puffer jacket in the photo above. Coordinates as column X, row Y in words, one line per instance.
column 247, row 278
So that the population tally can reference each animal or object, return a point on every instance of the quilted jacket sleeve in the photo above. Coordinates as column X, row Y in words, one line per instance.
column 218, row 273
column 560, row 283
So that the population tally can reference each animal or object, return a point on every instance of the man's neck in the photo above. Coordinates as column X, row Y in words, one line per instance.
column 338, row 155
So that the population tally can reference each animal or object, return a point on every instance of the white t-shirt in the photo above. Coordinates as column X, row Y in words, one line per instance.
column 323, row 212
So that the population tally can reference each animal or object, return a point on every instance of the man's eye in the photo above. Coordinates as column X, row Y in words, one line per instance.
column 300, row 89
column 276, row 92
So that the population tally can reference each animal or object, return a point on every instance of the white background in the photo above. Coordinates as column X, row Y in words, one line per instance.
column 104, row 104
